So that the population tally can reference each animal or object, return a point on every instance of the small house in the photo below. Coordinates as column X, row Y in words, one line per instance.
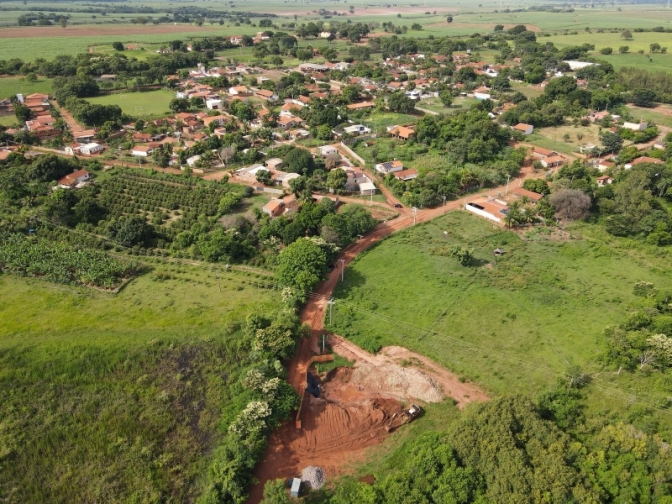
column 91, row 148
column 74, row 180
column 325, row 150
column 405, row 175
column 488, row 208
column 604, row 180
column 213, row 103
column 141, row 151
column 519, row 192
column 389, row 167
column 274, row 208
column 191, row 162
column 604, row 165
column 552, row 161
column 525, row 129
column 367, row 189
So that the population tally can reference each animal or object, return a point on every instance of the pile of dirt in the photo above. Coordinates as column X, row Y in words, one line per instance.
column 401, row 382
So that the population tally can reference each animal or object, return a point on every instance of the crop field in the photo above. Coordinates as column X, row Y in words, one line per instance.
column 12, row 85
column 76, row 40
column 150, row 104
column 118, row 394
column 514, row 326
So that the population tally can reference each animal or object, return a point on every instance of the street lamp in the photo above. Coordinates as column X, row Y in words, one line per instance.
column 331, row 305
column 444, row 205
column 342, row 268
column 415, row 213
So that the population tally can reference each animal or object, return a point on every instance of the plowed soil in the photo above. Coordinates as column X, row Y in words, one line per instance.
column 337, row 427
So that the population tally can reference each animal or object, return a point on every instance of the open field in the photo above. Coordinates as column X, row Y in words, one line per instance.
column 12, row 85
column 552, row 137
column 139, row 104
column 513, row 327
column 662, row 114
column 640, row 41
column 118, row 395
column 32, row 44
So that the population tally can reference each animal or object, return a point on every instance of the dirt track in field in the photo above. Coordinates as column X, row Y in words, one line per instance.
column 101, row 30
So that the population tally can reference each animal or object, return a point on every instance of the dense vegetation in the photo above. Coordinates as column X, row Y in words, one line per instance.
column 59, row 263
column 510, row 451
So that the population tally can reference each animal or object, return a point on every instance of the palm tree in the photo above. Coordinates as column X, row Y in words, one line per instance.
column 663, row 184
column 510, row 218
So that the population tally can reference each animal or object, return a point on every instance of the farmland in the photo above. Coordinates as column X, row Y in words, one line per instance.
column 119, row 394
column 547, row 303
column 149, row 104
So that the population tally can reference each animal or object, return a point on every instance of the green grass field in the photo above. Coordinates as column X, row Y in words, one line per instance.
column 149, row 104
column 119, row 397
column 12, row 85
column 513, row 327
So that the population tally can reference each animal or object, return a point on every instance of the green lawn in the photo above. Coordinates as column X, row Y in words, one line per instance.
column 119, row 397
column 512, row 328
column 10, row 86
column 8, row 120
column 139, row 104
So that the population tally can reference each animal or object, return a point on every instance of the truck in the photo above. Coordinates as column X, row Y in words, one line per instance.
column 402, row 417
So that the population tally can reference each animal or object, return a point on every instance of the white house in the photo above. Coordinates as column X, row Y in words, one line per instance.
column 636, row 126
column 91, row 148
column 191, row 162
column 490, row 208
column 325, row 150
column 367, row 189
column 357, row 129
column 578, row 65
column 74, row 180
column 142, row 151
column 213, row 103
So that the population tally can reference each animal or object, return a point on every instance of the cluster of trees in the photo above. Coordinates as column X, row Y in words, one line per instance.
column 265, row 399
column 643, row 341
column 516, row 450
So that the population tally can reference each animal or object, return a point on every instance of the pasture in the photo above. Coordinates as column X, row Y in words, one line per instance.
column 119, row 395
column 12, row 85
column 512, row 327
column 150, row 104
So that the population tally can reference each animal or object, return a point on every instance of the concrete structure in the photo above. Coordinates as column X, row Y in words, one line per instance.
column 604, row 180
column 578, row 65
column 191, row 162
column 642, row 125
column 405, row 175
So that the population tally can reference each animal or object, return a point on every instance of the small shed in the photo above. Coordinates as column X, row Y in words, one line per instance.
column 296, row 488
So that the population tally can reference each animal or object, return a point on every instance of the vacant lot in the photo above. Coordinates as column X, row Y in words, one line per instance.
column 139, row 104
column 514, row 326
column 554, row 137
column 118, row 395
column 10, row 86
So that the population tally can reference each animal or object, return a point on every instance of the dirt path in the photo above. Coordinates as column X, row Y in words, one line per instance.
column 67, row 118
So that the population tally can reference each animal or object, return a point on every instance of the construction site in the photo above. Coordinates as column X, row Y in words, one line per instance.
column 349, row 409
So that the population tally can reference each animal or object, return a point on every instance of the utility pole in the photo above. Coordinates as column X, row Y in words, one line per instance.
column 342, row 268
column 415, row 213
column 444, row 205
column 507, row 183
column 331, row 305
